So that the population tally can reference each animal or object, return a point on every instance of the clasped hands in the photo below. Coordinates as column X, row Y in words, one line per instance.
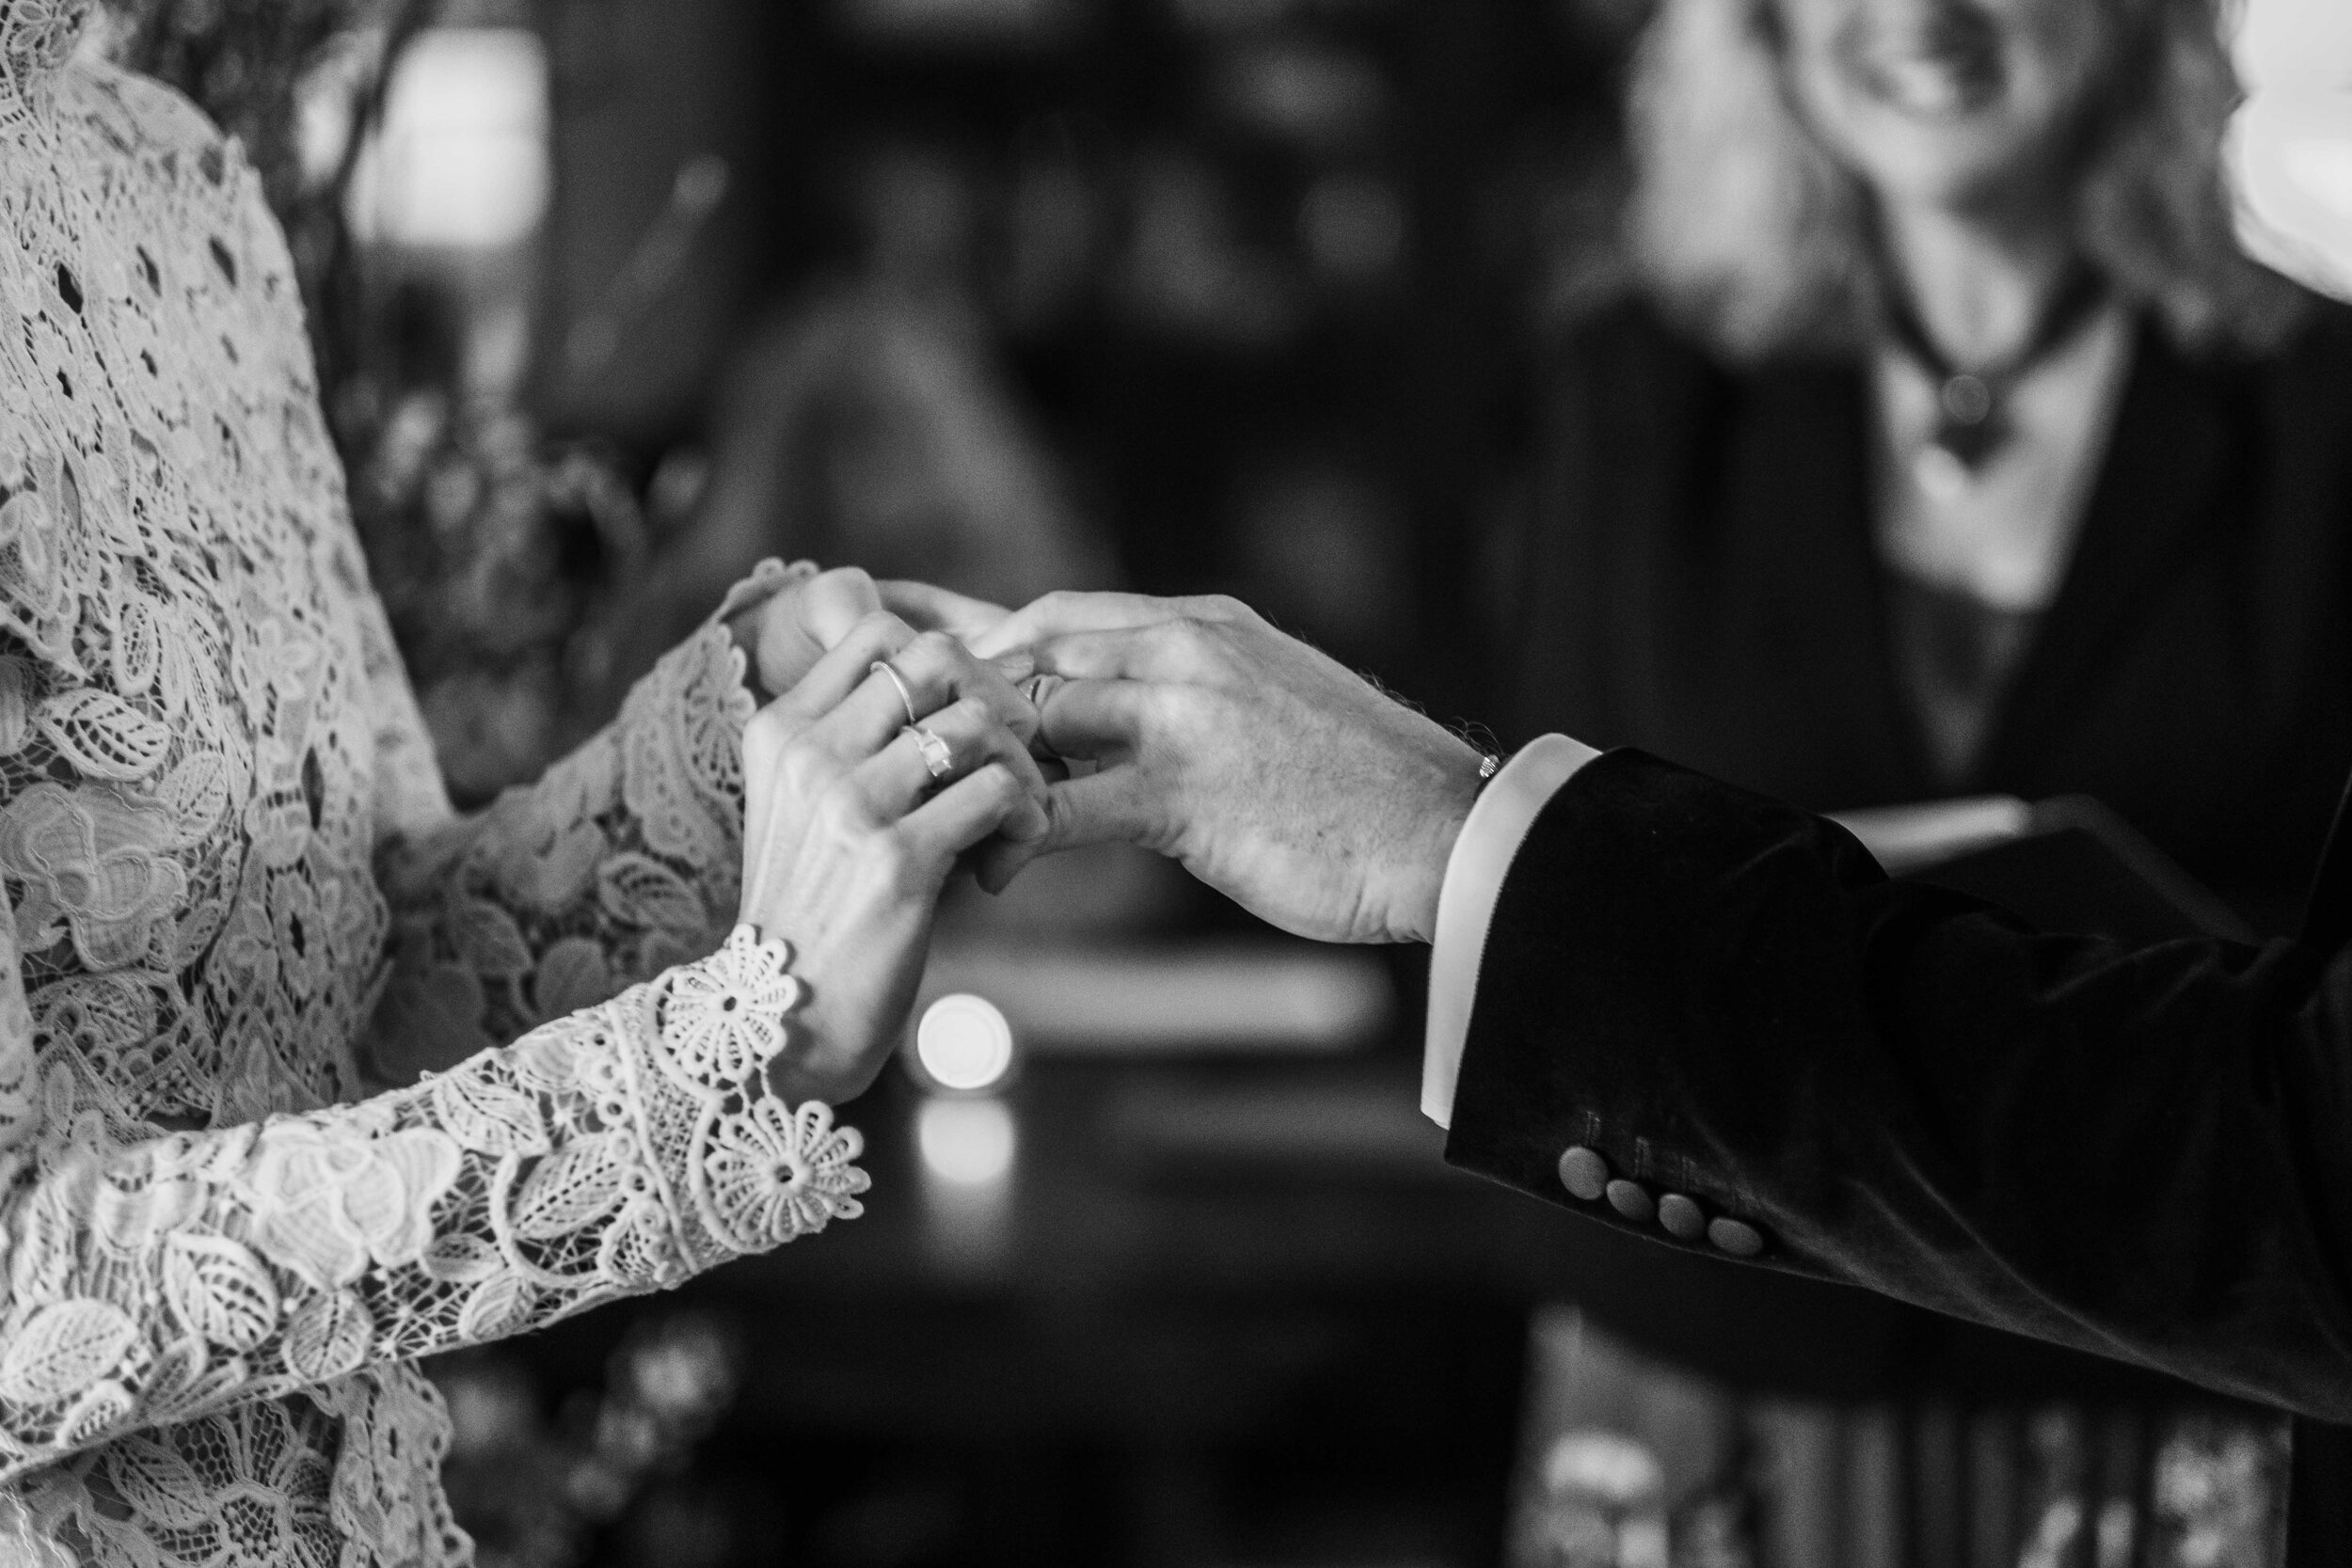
column 911, row 730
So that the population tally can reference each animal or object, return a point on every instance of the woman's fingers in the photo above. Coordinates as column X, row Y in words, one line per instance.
column 988, row 804
column 1111, row 806
column 948, row 745
column 845, row 667
column 939, row 670
column 788, row 632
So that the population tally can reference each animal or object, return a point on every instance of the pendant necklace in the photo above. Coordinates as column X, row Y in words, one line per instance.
column 1971, row 413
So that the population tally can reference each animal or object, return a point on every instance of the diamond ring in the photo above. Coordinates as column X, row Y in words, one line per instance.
column 939, row 758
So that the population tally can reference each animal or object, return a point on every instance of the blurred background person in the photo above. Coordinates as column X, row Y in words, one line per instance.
column 1937, row 439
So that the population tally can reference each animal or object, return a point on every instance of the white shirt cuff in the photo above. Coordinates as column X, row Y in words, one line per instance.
column 1481, row 857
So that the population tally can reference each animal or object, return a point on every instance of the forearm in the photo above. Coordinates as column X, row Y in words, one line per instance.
column 2137, row 1153
column 623, row 859
column 616, row 1151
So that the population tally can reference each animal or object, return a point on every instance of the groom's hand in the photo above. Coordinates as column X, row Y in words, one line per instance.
column 1269, row 770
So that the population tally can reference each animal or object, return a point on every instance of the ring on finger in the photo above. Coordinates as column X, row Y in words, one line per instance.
column 906, row 698
column 939, row 758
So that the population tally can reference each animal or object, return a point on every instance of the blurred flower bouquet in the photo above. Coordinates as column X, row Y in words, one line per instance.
column 495, row 549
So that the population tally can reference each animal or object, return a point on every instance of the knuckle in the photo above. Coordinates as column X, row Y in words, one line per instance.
column 936, row 648
column 1194, row 638
column 891, row 857
column 841, row 812
column 768, row 732
column 880, row 629
column 1187, row 710
column 802, row 765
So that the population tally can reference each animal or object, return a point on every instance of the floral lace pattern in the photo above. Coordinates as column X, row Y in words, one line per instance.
column 236, row 897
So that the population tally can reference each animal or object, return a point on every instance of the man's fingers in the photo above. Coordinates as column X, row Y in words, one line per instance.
column 929, row 607
column 1063, row 614
column 1093, row 718
column 1114, row 806
column 1177, row 651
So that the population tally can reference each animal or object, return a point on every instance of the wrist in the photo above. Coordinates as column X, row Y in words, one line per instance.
column 1465, row 772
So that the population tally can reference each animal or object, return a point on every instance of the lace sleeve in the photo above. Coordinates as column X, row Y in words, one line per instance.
column 614, row 1150
column 623, row 860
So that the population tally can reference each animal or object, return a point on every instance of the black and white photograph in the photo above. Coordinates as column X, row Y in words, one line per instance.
column 1175, row 784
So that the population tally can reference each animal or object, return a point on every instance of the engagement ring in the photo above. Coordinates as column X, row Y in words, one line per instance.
column 939, row 758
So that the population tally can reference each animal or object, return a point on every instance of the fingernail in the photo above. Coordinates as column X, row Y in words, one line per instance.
column 1016, row 667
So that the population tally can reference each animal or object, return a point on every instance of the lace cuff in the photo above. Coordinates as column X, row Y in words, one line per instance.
column 740, row 1172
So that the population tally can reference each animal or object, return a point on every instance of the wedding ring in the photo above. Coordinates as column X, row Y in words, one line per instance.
column 906, row 698
column 939, row 758
column 1039, row 688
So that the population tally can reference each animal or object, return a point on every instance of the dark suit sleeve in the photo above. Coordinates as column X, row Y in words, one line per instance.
column 2145, row 1153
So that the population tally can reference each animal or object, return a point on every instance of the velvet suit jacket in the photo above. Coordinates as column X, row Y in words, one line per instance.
column 2142, row 1154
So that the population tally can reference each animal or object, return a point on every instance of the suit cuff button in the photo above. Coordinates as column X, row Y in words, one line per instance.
column 1632, row 1200
column 1583, row 1173
column 1731, row 1236
column 1682, row 1216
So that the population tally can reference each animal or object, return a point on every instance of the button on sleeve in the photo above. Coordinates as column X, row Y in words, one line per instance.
column 1585, row 1174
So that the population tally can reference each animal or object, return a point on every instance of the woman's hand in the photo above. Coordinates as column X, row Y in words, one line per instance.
column 786, row 634
column 849, row 838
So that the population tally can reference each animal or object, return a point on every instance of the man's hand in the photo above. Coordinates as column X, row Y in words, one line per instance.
column 929, row 609
column 1270, row 771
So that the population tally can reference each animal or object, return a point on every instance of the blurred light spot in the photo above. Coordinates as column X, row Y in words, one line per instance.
column 2282, row 43
column 968, row 1142
column 2322, row 170
column 2290, row 148
column 462, row 157
column 963, row 1042
column 2291, row 155
column 1604, row 1465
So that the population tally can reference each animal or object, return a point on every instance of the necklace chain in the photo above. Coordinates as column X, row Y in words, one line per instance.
column 1971, row 405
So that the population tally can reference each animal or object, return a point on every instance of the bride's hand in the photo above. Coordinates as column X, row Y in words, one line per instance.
column 849, row 838
column 786, row 634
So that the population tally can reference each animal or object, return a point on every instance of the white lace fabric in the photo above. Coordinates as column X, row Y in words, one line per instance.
column 225, row 850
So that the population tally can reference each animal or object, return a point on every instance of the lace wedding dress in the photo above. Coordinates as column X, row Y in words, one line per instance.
column 225, row 850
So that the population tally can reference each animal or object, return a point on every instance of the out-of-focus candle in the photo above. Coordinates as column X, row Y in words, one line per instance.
column 963, row 1043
